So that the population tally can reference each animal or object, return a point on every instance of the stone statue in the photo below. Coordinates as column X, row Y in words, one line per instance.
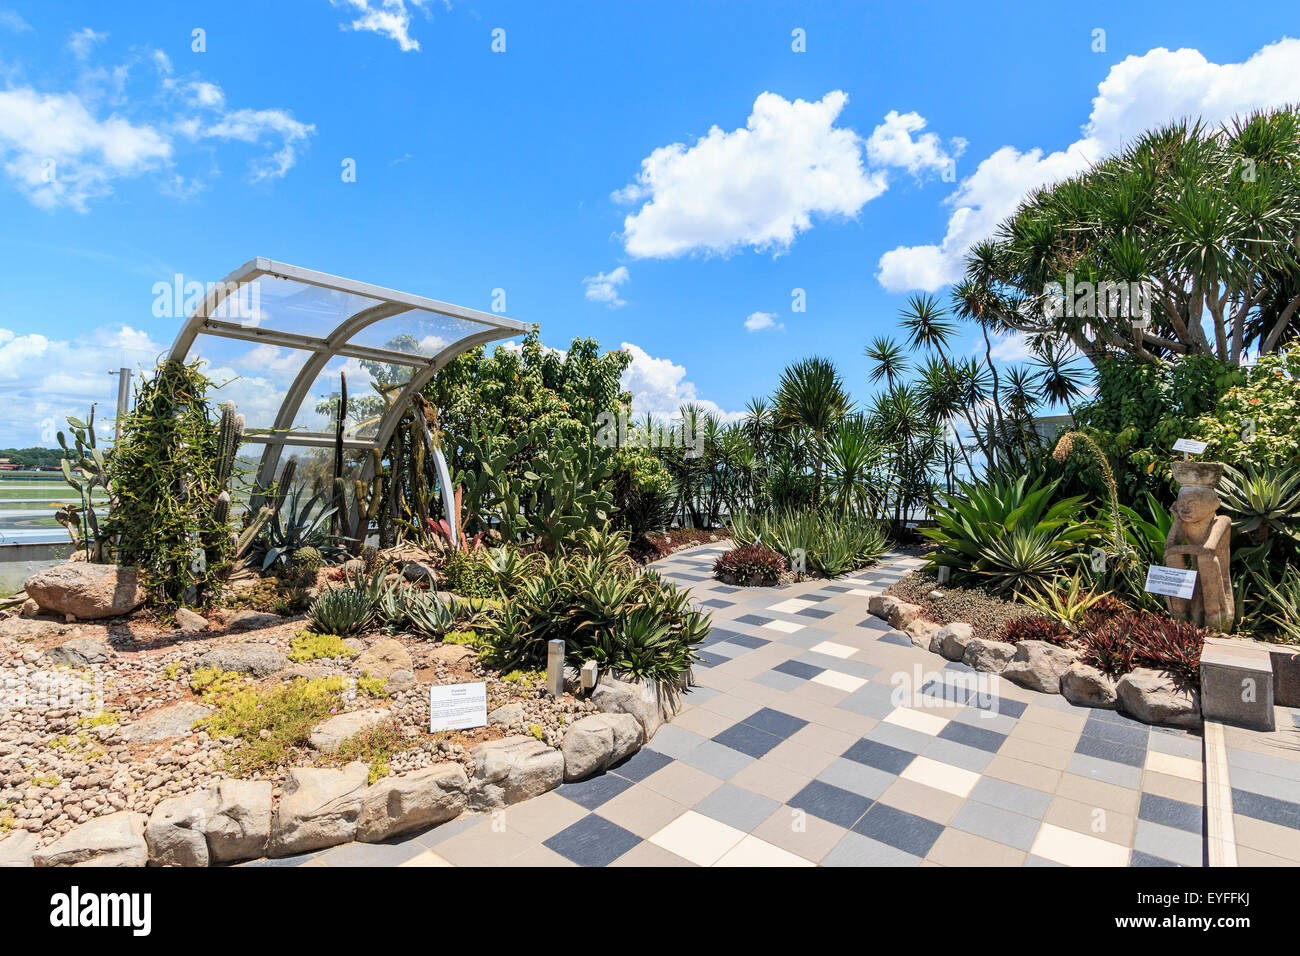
column 1201, row 533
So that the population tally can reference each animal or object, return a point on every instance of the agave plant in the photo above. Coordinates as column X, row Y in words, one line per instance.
column 1024, row 561
column 1009, row 530
column 296, row 525
column 342, row 611
column 1263, row 504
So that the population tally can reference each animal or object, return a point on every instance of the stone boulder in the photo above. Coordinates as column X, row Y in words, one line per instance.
column 329, row 734
column 1157, row 697
column 17, row 848
column 250, row 620
column 79, row 652
column 513, row 769
column 989, row 656
column 259, row 660
column 898, row 613
column 597, row 742
column 189, row 622
column 113, row 840
column 412, row 801
column 451, row 655
column 1085, row 686
column 384, row 658
column 399, row 682
column 175, row 831
column 29, row 629
column 507, row 714
column 240, row 824
column 172, row 721
column 1039, row 666
column 87, row 591
column 319, row 808
column 922, row 633
column 649, row 702
column 951, row 640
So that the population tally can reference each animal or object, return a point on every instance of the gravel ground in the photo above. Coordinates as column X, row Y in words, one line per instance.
column 61, row 765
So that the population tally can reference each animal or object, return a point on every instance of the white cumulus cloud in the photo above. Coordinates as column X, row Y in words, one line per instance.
column 659, row 387
column 757, row 321
column 603, row 286
column 83, row 41
column 389, row 18
column 892, row 144
column 1137, row 94
column 759, row 186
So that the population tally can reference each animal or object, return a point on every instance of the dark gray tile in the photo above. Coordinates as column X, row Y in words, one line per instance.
column 595, row 791
column 798, row 669
column 748, row 739
column 1111, row 750
column 775, row 722
column 593, row 841
column 641, row 764
column 973, row 736
column 900, row 829
column 822, row 800
column 1270, row 809
column 1172, row 813
column 881, row 756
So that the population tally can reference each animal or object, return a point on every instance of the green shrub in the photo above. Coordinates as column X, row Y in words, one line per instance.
column 469, row 574
column 310, row 646
column 346, row 612
column 828, row 542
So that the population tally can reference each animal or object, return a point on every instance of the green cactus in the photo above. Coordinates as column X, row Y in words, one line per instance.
column 85, row 469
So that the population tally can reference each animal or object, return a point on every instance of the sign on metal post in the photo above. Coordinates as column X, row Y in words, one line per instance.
column 1172, row 582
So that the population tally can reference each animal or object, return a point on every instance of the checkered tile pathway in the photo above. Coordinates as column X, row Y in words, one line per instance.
column 817, row 735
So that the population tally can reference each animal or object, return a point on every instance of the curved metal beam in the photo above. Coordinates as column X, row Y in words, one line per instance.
column 249, row 271
column 297, row 392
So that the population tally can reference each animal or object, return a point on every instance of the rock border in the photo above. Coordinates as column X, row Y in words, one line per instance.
column 1149, row 696
column 323, row 807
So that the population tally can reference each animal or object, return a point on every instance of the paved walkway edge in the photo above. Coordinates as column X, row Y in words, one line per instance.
column 1220, row 837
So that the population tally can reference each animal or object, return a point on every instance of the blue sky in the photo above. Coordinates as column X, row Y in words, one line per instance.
column 541, row 169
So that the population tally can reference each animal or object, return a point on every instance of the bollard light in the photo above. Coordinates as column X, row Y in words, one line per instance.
column 555, row 667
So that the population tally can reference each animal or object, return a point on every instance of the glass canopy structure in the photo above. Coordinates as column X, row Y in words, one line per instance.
column 276, row 337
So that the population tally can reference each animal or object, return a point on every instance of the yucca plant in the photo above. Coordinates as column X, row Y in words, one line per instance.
column 342, row 611
column 297, row 524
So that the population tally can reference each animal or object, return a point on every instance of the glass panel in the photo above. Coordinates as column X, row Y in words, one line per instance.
column 365, row 404
column 288, row 306
column 418, row 332
column 253, row 376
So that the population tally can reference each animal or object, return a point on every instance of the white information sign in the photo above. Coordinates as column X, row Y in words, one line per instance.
column 457, row 706
column 1191, row 446
column 1174, row 582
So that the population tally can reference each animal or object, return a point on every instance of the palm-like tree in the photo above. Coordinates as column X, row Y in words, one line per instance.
column 890, row 361
column 811, row 397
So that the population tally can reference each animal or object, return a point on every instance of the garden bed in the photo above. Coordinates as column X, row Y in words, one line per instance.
column 946, row 604
column 163, row 690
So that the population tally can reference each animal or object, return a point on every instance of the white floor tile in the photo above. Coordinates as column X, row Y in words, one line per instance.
column 1077, row 849
column 752, row 851
column 697, row 838
column 1183, row 767
column 913, row 719
column 785, row 627
column 839, row 681
column 832, row 649
column 941, row 776
column 791, row 605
